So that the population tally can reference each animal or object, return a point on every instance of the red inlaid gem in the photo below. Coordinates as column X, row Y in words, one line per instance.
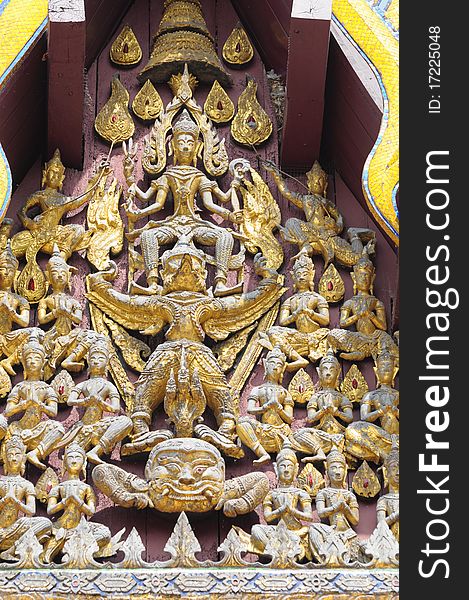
column 113, row 118
column 366, row 483
column 238, row 47
column 126, row 48
column 330, row 286
column 354, row 383
column 31, row 285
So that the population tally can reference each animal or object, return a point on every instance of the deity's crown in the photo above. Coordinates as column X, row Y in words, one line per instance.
column 392, row 458
column 33, row 345
column 385, row 355
column 316, row 172
column 276, row 352
column 287, row 453
column 184, row 247
column 57, row 260
column 100, row 345
column 74, row 447
column 56, row 161
column 329, row 358
column 335, row 456
column 14, row 442
column 185, row 125
column 303, row 260
column 7, row 257
column 364, row 263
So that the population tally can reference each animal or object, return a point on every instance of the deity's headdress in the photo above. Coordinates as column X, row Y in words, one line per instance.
column 33, row 345
column 363, row 264
column 54, row 161
column 329, row 358
column 74, row 447
column 14, row 443
column 315, row 174
column 287, row 453
column 8, row 258
column 334, row 457
column 185, row 124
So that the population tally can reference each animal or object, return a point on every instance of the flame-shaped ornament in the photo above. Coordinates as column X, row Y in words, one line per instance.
column 147, row 104
column 218, row 105
column 114, row 122
column 251, row 125
column 125, row 50
column 237, row 50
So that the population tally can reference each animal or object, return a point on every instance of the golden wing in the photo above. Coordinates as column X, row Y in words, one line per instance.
column 132, row 312
column 236, row 313
column 261, row 215
column 106, row 224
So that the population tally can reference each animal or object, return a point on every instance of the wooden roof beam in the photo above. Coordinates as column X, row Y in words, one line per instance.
column 66, row 83
column 305, row 84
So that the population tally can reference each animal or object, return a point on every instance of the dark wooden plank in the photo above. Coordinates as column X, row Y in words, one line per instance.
column 65, row 65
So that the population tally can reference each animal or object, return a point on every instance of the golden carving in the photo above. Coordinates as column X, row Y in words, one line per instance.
column 184, row 181
column 251, row 125
column 387, row 509
column 311, row 480
column 275, row 406
column 365, row 482
column 147, row 104
column 191, row 314
column 368, row 315
column 125, row 49
column 237, row 50
column 132, row 348
column 261, row 214
column 336, row 544
column 17, row 496
column 105, row 222
column 301, row 387
column 309, row 312
column 218, row 105
column 287, row 504
column 328, row 405
column 183, row 38
column 98, row 434
column 75, row 499
column 331, row 285
column 365, row 439
column 227, row 351
column 215, row 157
column 43, row 231
column 114, row 122
column 354, row 385
column 35, row 399
column 183, row 475
column 320, row 234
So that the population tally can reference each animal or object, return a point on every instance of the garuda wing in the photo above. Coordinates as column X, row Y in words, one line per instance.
column 146, row 313
column 236, row 312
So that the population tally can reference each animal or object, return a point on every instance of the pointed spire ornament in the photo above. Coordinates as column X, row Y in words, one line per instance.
column 125, row 50
column 237, row 50
column 114, row 122
column 251, row 125
column 218, row 105
column 183, row 37
column 147, row 104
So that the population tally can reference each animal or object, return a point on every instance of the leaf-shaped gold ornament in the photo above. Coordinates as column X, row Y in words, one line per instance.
column 31, row 282
column 125, row 49
column 63, row 385
column 147, row 104
column 218, row 105
column 114, row 122
column 251, row 125
column 237, row 50
column 45, row 483
column 311, row 480
column 331, row 285
column 301, row 387
column 365, row 483
column 354, row 385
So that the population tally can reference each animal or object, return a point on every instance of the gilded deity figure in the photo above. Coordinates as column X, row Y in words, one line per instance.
column 320, row 234
column 191, row 313
column 14, row 310
column 185, row 182
column 365, row 439
column 35, row 399
column 97, row 395
column 287, row 504
column 274, row 404
column 367, row 314
column 75, row 499
column 308, row 311
column 336, row 544
column 327, row 407
column 387, row 508
column 44, row 230
column 17, row 496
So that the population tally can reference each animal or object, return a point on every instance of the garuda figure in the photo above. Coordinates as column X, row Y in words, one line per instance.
column 191, row 313
column 183, row 474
